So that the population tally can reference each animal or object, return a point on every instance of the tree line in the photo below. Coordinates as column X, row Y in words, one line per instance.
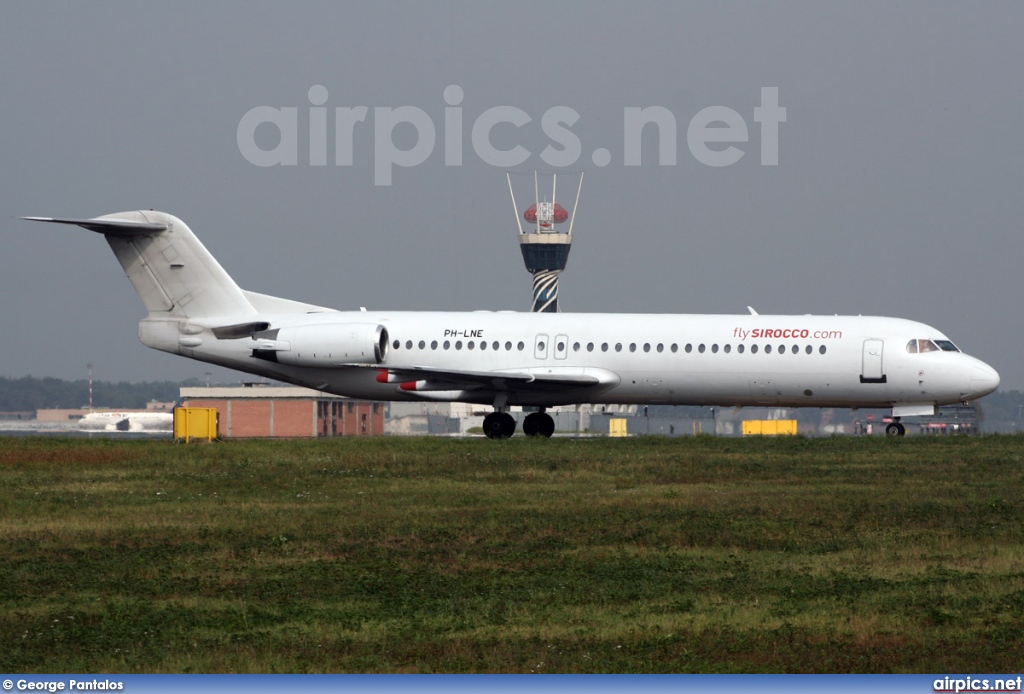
column 31, row 393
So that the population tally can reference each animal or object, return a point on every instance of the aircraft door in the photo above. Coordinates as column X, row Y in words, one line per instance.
column 540, row 347
column 871, row 362
column 561, row 346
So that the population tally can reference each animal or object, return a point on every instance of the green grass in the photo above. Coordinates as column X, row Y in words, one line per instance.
column 438, row 555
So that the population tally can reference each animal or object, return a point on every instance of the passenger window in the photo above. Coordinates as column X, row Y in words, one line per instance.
column 700, row 348
column 632, row 346
column 808, row 349
column 727, row 348
column 495, row 345
column 740, row 348
column 675, row 348
column 796, row 349
column 575, row 346
column 470, row 345
column 447, row 344
column 604, row 346
column 508, row 346
column 433, row 344
column 714, row 349
column 822, row 349
column 423, row 344
column 483, row 344
column 782, row 349
column 590, row 346
column 647, row 346
column 618, row 346
column 753, row 349
column 661, row 347
column 689, row 348
column 408, row 344
column 458, row 344
column 767, row 349
column 396, row 344
column 540, row 346
column 520, row 346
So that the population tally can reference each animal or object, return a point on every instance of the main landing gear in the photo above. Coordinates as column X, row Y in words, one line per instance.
column 539, row 424
column 501, row 425
column 894, row 428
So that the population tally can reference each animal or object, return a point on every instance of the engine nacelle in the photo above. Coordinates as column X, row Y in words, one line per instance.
column 330, row 344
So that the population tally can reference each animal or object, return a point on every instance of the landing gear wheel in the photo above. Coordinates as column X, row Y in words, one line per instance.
column 499, row 425
column 539, row 424
column 895, row 429
column 494, row 425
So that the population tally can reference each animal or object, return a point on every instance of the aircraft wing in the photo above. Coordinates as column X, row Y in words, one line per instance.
column 550, row 379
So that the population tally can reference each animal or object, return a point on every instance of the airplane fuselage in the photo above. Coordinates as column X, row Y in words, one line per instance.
column 727, row 360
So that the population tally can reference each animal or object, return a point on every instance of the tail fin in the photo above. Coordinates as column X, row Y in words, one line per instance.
column 171, row 270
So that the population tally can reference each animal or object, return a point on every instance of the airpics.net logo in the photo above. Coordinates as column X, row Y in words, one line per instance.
column 714, row 135
column 974, row 685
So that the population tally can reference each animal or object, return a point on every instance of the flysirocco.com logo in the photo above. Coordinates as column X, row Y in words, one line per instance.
column 715, row 135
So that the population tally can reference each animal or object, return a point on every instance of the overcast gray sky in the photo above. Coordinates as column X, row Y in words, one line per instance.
column 897, row 190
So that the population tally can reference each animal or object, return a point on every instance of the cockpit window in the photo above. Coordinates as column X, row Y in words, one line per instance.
column 915, row 346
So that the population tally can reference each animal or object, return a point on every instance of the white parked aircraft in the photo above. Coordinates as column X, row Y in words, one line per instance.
column 152, row 422
column 538, row 359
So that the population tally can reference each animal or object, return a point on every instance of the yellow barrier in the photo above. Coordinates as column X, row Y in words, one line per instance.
column 769, row 427
column 192, row 423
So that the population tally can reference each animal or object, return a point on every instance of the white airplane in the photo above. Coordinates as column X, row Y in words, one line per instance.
column 150, row 422
column 536, row 359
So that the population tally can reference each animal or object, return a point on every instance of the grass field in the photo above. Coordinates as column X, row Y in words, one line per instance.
column 436, row 555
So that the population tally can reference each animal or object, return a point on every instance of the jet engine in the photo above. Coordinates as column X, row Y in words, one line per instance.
column 324, row 344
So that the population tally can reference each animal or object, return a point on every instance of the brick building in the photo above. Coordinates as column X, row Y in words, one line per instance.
column 256, row 411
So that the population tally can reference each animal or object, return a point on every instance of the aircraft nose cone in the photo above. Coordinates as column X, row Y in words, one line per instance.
column 984, row 380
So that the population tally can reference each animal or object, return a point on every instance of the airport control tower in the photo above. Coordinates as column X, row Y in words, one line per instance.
column 544, row 244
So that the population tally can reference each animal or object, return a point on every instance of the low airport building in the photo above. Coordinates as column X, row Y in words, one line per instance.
column 258, row 410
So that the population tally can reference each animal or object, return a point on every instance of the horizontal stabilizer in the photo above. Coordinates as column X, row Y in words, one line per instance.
column 107, row 225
